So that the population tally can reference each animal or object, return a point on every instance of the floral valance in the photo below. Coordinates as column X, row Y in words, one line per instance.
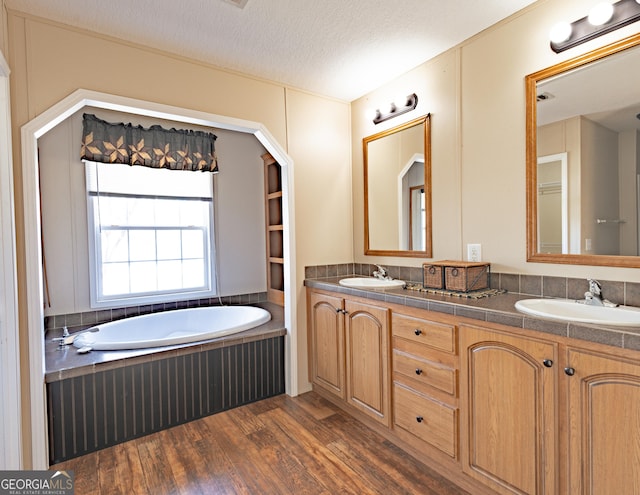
column 154, row 147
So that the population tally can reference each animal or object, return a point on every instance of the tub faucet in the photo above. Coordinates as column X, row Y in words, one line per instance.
column 381, row 273
column 593, row 296
column 65, row 340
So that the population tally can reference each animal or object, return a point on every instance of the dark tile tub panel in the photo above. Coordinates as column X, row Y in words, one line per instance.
column 81, row 321
column 97, row 410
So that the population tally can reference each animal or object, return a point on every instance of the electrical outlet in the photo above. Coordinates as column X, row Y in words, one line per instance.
column 474, row 252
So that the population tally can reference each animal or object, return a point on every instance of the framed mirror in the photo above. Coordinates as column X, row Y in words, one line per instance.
column 583, row 159
column 397, row 190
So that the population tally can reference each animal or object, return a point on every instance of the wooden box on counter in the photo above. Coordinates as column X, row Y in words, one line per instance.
column 460, row 276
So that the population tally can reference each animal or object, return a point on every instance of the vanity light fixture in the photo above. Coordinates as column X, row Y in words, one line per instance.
column 397, row 108
column 603, row 18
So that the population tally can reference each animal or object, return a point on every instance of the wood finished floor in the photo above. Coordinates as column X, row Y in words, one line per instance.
column 282, row 445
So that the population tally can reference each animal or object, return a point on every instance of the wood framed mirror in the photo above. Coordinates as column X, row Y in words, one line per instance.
column 397, row 190
column 584, row 115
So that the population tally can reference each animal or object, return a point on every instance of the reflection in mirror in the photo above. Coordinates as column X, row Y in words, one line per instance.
column 553, row 231
column 397, row 190
column 583, row 159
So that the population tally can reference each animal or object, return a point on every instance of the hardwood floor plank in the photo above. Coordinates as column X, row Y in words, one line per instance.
column 155, row 468
column 326, row 468
column 129, row 468
column 279, row 446
column 85, row 471
column 399, row 465
column 249, row 468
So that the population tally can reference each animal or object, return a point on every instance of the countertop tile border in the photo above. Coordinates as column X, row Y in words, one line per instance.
column 500, row 308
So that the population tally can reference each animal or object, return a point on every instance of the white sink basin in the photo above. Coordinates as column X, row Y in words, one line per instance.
column 371, row 283
column 571, row 310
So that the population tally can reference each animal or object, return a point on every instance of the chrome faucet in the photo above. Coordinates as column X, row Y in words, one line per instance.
column 593, row 296
column 63, row 341
column 381, row 273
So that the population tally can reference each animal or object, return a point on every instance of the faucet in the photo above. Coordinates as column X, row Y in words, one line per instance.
column 381, row 273
column 63, row 341
column 593, row 296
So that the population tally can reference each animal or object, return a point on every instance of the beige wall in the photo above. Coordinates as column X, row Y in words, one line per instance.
column 50, row 61
column 317, row 129
column 476, row 95
column 437, row 85
column 3, row 28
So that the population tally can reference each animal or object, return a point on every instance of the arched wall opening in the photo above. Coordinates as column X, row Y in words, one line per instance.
column 33, row 253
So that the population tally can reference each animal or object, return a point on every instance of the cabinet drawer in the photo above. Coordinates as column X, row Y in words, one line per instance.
column 427, row 419
column 425, row 372
column 437, row 335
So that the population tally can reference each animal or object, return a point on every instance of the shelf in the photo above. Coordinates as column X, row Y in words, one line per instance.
column 274, row 230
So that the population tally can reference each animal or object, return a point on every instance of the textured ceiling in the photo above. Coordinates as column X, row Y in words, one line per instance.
column 338, row 48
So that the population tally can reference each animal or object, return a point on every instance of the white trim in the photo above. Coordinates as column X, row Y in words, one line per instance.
column 10, row 396
column 402, row 231
column 564, row 196
column 54, row 116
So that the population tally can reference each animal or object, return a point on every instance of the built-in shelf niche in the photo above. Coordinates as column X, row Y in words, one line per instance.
column 274, row 227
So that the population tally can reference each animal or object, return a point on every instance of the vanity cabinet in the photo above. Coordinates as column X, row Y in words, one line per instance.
column 425, row 383
column 497, row 409
column 349, row 352
column 509, row 410
column 326, row 339
column 367, row 353
column 603, row 422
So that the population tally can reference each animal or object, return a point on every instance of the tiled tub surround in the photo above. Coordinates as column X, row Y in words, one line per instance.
column 499, row 308
column 107, row 397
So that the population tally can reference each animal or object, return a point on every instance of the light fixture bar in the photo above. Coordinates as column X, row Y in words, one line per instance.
column 397, row 108
column 625, row 12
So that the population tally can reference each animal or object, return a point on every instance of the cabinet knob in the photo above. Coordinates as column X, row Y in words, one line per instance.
column 338, row 310
column 418, row 371
column 548, row 363
column 417, row 331
column 570, row 371
column 419, row 419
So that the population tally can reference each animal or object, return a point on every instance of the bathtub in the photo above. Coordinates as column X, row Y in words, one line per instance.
column 178, row 326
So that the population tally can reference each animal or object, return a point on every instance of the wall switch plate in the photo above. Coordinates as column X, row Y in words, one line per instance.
column 474, row 252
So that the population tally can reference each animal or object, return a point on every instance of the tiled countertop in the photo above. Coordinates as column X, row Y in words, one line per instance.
column 61, row 363
column 498, row 308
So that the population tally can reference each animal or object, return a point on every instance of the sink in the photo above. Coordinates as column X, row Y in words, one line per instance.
column 572, row 310
column 371, row 283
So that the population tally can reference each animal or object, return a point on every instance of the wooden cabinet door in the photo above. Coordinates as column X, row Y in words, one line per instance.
column 508, row 410
column 604, row 423
column 367, row 337
column 327, row 343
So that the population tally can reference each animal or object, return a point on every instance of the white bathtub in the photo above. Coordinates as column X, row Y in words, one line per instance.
column 179, row 326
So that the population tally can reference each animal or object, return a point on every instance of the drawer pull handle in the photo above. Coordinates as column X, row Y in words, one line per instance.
column 417, row 331
column 419, row 419
column 418, row 371
column 548, row 363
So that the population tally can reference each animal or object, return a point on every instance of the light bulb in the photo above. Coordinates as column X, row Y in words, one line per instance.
column 560, row 32
column 371, row 113
column 601, row 14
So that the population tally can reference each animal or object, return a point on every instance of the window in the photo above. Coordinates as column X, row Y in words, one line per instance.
column 150, row 234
